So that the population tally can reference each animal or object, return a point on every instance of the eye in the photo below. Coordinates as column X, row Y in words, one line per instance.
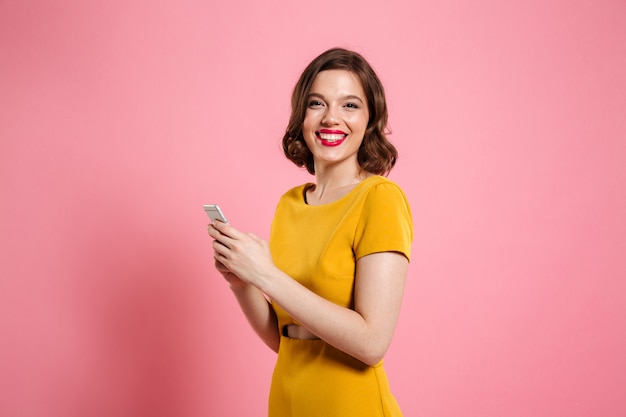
column 315, row 104
column 352, row 106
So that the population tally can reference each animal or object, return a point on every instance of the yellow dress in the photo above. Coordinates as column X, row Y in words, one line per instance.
column 318, row 246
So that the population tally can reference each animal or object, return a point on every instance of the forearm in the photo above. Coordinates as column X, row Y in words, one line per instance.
column 343, row 328
column 259, row 314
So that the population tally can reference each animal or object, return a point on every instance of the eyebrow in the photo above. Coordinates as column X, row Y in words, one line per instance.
column 348, row 97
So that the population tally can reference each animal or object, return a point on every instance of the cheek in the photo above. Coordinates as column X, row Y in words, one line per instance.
column 359, row 123
column 309, row 124
column 310, row 117
column 307, row 130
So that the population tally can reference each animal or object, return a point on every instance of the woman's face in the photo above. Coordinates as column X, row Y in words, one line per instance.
column 336, row 118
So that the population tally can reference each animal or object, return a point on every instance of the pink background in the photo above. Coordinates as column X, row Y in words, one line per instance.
column 119, row 119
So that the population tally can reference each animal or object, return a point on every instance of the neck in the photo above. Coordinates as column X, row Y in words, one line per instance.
column 332, row 184
column 329, row 176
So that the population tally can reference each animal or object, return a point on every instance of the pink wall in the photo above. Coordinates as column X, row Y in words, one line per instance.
column 119, row 119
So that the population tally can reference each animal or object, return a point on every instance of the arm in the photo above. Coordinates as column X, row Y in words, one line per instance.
column 259, row 314
column 256, row 308
column 364, row 332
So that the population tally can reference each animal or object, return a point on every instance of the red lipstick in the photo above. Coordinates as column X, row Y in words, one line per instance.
column 330, row 137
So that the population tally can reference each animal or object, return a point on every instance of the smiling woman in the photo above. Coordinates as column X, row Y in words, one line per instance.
column 335, row 267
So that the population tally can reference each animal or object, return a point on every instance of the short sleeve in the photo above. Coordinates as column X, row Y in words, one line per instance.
column 385, row 223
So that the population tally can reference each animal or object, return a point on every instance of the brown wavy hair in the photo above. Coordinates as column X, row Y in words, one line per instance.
column 376, row 155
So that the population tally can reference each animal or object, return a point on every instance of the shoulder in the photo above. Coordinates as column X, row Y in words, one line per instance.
column 378, row 181
column 385, row 223
column 384, row 200
column 379, row 187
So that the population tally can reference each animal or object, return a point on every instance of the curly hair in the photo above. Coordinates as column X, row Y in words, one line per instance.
column 376, row 154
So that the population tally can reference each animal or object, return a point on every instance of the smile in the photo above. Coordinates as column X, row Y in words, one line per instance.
column 331, row 137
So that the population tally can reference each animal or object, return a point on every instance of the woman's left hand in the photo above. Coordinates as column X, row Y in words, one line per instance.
column 245, row 254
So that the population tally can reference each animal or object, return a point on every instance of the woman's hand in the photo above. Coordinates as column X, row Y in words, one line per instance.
column 233, row 280
column 244, row 255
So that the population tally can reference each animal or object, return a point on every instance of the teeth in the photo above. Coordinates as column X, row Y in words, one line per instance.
column 331, row 136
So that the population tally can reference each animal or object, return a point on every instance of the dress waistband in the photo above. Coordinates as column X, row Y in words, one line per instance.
column 293, row 331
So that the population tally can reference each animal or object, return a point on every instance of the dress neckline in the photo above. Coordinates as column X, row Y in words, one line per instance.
column 308, row 185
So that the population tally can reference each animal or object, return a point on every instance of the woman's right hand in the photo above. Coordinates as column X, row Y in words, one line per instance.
column 233, row 280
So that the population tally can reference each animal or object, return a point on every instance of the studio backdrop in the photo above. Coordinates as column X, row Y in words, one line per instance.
column 119, row 119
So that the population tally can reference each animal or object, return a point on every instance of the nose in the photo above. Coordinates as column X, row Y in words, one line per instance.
column 330, row 116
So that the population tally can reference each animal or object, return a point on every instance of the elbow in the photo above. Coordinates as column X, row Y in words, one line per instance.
column 372, row 360
column 373, row 350
column 373, row 354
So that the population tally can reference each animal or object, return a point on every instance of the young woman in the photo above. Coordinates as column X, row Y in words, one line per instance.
column 325, row 293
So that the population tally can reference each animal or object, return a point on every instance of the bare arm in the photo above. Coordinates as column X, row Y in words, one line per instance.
column 255, row 306
column 364, row 332
column 259, row 314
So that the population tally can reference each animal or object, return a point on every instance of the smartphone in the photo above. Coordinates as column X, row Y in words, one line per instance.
column 215, row 213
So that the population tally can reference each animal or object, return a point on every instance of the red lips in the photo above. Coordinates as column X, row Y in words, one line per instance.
column 329, row 137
